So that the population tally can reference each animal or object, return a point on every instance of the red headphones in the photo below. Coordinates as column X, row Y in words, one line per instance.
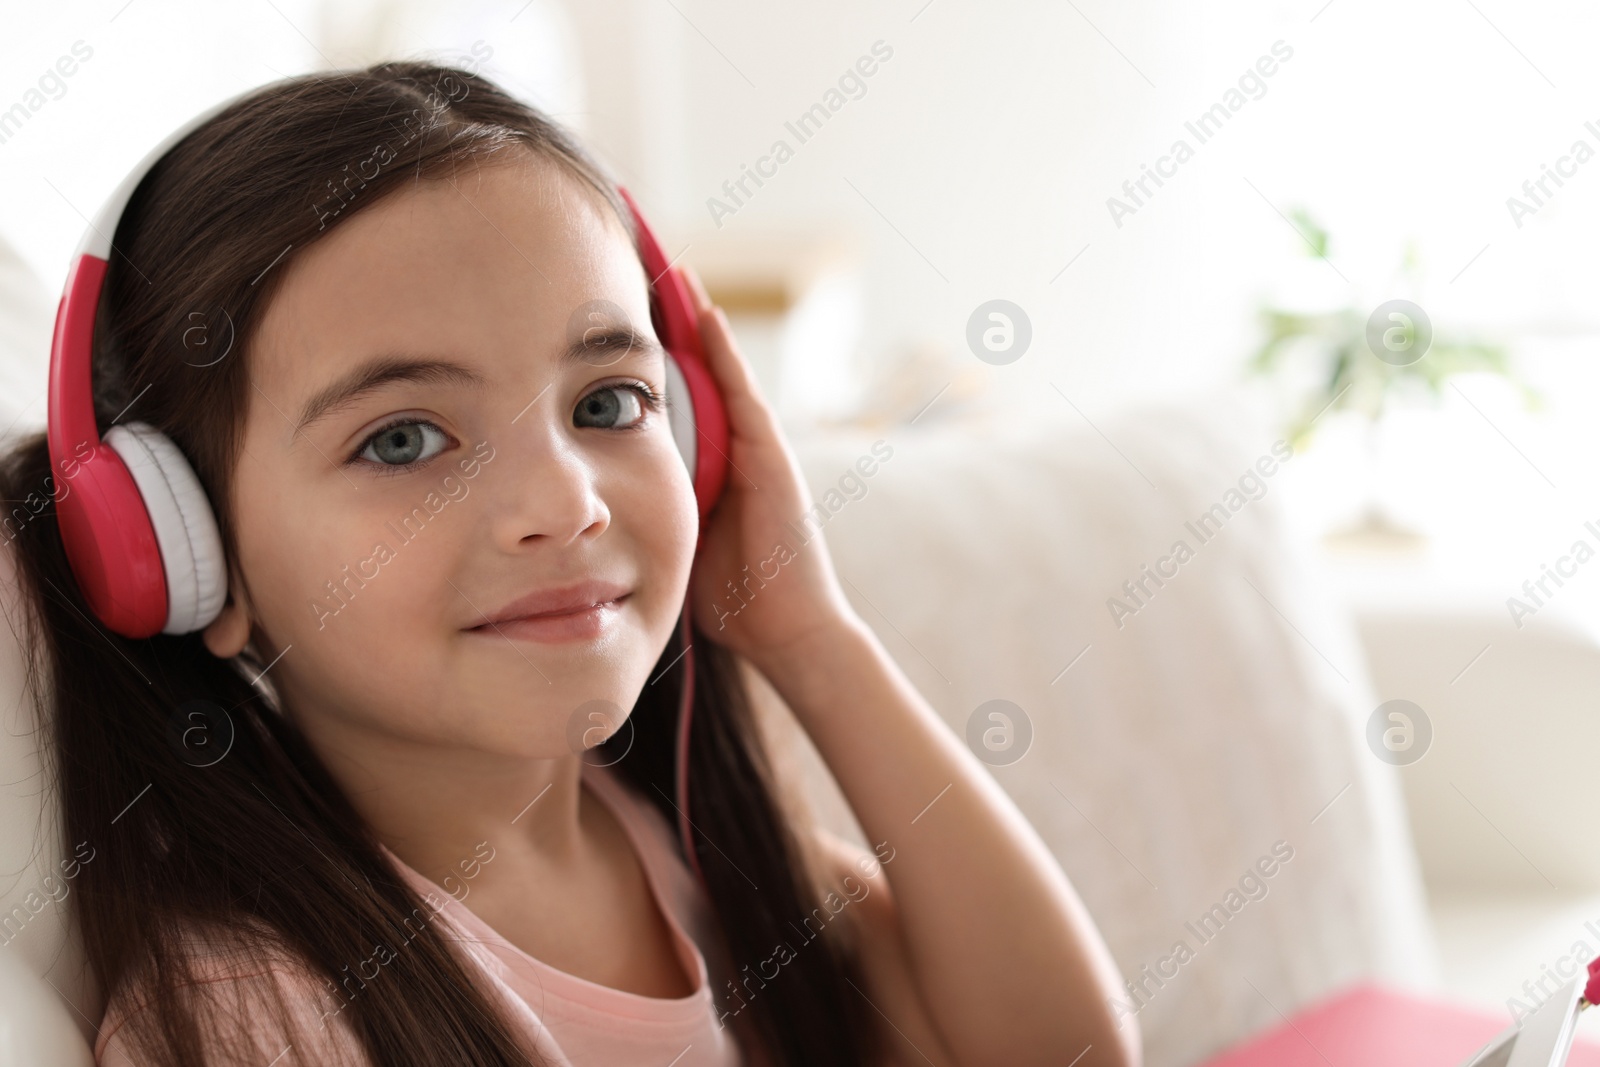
column 139, row 532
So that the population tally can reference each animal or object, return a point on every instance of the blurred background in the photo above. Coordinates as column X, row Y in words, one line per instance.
column 1315, row 162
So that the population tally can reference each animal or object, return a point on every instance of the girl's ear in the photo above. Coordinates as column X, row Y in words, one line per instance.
column 229, row 632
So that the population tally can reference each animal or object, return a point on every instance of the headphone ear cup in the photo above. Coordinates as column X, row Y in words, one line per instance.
column 185, row 527
column 680, row 416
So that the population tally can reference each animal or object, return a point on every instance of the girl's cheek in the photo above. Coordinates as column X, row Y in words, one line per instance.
column 376, row 586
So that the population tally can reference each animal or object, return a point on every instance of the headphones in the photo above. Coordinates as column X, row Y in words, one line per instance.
column 139, row 532
column 141, row 536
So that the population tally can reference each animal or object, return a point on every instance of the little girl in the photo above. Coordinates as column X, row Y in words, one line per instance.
column 409, row 798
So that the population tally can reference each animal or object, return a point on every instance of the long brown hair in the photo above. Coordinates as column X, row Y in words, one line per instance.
column 261, row 844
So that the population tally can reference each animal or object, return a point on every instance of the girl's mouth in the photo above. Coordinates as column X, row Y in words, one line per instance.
column 577, row 624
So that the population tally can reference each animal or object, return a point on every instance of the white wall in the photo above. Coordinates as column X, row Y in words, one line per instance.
column 990, row 141
column 994, row 136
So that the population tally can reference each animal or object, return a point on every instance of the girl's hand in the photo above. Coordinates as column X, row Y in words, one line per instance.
column 973, row 855
column 784, row 590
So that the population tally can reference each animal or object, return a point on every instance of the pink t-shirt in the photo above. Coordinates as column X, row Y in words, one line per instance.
column 570, row 1021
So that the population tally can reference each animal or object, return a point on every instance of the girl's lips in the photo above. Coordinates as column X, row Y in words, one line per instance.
column 584, row 624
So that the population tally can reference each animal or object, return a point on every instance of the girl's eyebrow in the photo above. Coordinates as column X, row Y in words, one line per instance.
column 602, row 346
column 379, row 372
column 599, row 347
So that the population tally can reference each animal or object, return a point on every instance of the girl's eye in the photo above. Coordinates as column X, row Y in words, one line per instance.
column 404, row 444
column 617, row 407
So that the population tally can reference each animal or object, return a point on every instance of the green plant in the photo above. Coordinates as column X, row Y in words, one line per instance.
column 1350, row 375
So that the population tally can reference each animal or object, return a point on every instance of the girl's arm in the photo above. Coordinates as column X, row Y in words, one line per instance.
column 1000, row 949
column 1006, row 959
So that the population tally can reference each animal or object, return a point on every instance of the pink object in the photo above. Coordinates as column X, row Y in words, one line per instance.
column 567, row 1019
column 1591, row 991
column 678, row 325
column 112, row 539
column 109, row 538
column 1372, row 1026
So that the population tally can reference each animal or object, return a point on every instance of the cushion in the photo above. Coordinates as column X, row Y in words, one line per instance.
column 1207, row 730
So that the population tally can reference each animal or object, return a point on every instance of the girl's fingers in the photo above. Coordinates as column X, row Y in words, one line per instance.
column 724, row 359
column 750, row 419
column 721, row 352
column 748, row 416
column 727, row 366
column 697, row 289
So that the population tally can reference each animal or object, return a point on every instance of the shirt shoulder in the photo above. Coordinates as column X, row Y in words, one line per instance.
column 252, row 1006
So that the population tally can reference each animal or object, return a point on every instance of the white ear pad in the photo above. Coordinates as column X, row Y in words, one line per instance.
column 186, row 529
column 680, row 415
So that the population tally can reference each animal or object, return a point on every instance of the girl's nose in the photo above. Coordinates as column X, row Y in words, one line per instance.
column 547, row 492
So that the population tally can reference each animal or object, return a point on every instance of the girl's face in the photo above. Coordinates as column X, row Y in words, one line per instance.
column 438, row 428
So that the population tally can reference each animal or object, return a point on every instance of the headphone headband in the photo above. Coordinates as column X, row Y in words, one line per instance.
column 97, row 241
